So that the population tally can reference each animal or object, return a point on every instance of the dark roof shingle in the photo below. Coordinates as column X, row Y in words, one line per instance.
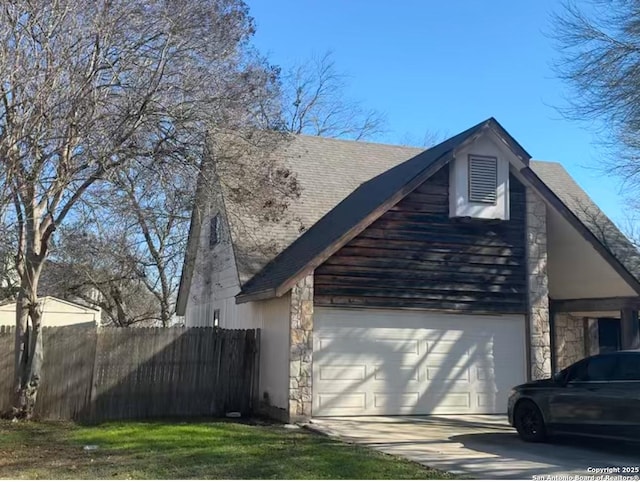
column 353, row 209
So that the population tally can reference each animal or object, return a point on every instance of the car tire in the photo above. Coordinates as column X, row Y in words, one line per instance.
column 529, row 422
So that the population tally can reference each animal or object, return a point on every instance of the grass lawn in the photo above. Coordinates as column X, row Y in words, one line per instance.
column 183, row 450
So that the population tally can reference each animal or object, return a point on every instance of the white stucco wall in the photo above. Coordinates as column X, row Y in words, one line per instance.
column 55, row 312
column 576, row 269
column 274, row 350
column 272, row 318
column 214, row 286
column 214, row 282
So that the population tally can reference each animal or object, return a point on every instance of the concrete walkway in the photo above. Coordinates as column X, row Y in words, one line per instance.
column 481, row 446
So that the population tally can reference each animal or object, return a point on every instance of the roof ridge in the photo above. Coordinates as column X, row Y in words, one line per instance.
column 361, row 142
column 548, row 162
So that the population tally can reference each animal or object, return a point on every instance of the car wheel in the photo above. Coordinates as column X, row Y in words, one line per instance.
column 529, row 422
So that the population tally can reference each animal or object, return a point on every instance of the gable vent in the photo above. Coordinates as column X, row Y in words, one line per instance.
column 483, row 180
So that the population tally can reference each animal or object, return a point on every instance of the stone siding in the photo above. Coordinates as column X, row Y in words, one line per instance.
column 538, row 287
column 301, row 350
column 593, row 337
column 570, row 342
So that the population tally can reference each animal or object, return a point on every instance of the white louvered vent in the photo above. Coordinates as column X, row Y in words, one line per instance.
column 483, row 180
column 479, row 187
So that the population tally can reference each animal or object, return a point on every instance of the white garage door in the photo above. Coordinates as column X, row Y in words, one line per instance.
column 384, row 362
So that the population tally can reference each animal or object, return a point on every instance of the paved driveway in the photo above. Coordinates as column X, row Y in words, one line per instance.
column 481, row 446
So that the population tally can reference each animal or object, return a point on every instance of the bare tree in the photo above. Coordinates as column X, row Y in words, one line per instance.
column 93, row 91
column 158, row 204
column 8, row 275
column 429, row 139
column 9, row 283
column 315, row 103
column 101, row 271
column 599, row 58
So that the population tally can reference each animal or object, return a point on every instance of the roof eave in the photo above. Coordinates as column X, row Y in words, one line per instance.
column 514, row 145
column 288, row 284
column 191, row 251
column 257, row 296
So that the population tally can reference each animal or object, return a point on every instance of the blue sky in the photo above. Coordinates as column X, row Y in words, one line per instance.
column 442, row 66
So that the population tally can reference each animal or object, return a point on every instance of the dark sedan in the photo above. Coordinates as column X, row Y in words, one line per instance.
column 597, row 396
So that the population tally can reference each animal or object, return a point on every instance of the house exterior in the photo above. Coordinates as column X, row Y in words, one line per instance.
column 411, row 281
column 55, row 312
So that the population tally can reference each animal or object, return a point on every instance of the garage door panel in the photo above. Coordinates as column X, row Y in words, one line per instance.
column 486, row 400
column 396, row 372
column 398, row 350
column 449, row 401
column 485, row 373
column 390, row 401
column 458, row 347
column 346, row 344
column 335, row 403
column 443, row 372
column 429, row 363
column 397, row 346
column 342, row 372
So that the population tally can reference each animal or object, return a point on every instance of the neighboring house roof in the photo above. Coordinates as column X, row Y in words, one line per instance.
column 347, row 184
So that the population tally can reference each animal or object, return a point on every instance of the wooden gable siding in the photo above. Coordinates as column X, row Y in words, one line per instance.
column 415, row 256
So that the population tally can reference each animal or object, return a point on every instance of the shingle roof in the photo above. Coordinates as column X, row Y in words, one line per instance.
column 359, row 203
column 327, row 170
column 331, row 170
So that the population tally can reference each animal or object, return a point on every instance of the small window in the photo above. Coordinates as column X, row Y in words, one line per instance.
column 483, row 179
column 214, row 231
column 216, row 318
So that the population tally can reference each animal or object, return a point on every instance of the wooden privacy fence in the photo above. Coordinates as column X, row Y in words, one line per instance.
column 100, row 374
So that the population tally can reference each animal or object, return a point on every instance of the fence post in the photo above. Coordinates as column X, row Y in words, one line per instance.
column 94, row 377
column 7, row 362
column 255, row 388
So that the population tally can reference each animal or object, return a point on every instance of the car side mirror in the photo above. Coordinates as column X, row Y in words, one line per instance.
column 560, row 378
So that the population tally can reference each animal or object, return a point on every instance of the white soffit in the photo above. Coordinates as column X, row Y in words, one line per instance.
column 575, row 269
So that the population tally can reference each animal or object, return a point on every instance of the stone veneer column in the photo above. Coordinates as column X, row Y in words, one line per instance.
column 538, row 284
column 570, row 342
column 593, row 343
column 301, row 349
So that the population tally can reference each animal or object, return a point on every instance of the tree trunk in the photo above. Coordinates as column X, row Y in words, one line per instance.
column 21, row 352
column 29, row 355
column 29, row 351
column 165, row 312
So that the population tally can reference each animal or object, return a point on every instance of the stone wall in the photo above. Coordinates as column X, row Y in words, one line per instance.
column 301, row 350
column 593, row 337
column 570, row 342
column 538, row 287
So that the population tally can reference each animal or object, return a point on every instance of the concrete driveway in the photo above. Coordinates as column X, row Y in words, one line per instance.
column 480, row 446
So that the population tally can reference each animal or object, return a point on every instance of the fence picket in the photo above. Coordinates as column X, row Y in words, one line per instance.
column 99, row 374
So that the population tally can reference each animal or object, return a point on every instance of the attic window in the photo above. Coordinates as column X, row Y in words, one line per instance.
column 214, row 231
column 483, row 179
